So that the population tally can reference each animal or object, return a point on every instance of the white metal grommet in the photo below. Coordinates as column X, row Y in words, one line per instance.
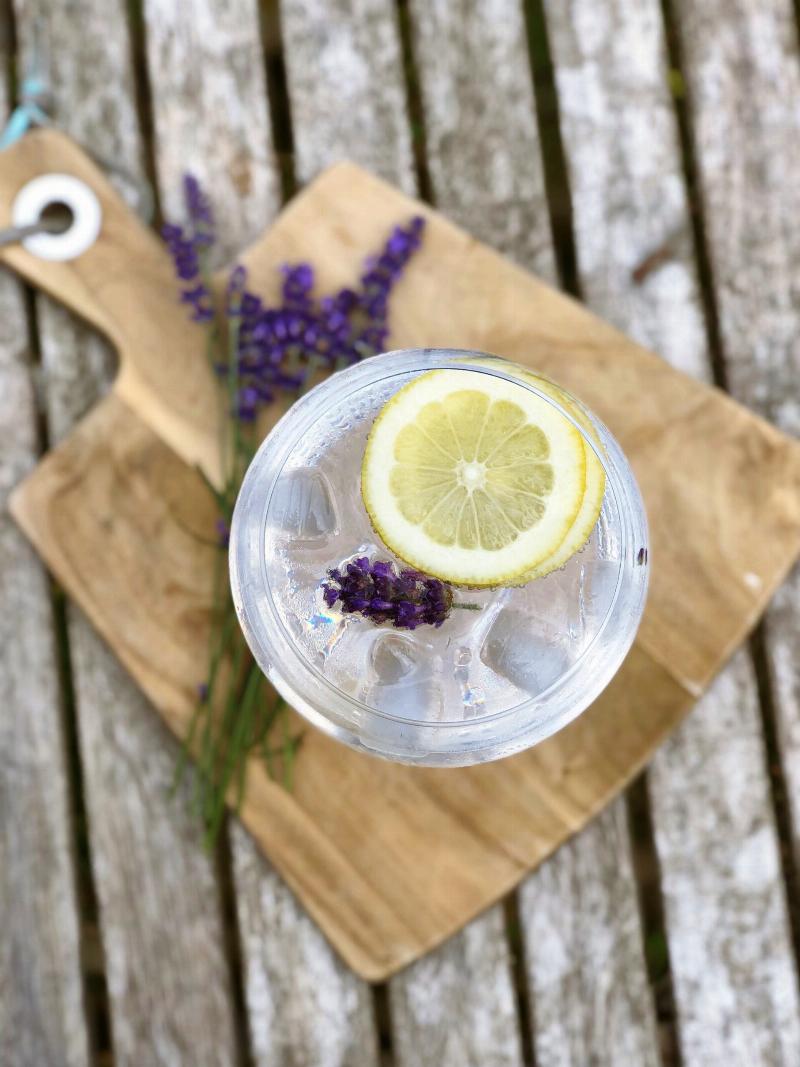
column 47, row 189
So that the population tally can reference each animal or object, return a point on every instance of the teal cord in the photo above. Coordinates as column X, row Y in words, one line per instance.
column 29, row 112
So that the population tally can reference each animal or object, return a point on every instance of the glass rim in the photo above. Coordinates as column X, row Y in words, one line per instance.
column 276, row 452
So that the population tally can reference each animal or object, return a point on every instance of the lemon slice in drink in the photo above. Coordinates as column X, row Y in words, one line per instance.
column 471, row 478
column 589, row 511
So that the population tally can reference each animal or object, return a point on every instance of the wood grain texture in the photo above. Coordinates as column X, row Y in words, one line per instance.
column 456, row 1007
column 41, row 987
column 628, row 196
column 210, row 109
column 586, row 975
column 482, row 143
column 380, row 923
column 484, row 158
column 733, row 972
column 305, row 1006
column 629, row 203
column 160, row 909
column 344, row 68
column 743, row 82
column 440, row 1011
column 743, row 79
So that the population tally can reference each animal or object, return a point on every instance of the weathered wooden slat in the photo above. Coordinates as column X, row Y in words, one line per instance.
column 583, row 948
column 743, row 79
column 733, row 971
column 479, row 113
column 579, row 914
column 210, row 112
column 743, row 85
column 348, row 100
column 727, row 928
column 305, row 1006
column 161, row 925
column 343, row 63
column 456, row 1005
column 41, row 995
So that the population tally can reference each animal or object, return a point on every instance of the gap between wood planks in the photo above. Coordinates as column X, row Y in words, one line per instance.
column 280, row 115
column 778, row 792
column 416, row 114
column 95, row 989
column 524, row 1002
column 647, row 871
column 756, row 645
column 554, row 162
column 233, row 948
column 678, row 92
column 144, row 101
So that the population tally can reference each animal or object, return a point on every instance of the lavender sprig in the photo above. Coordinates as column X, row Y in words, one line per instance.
column 261, row 352
column 281, row 348
column 187, row 245
column 382, row 593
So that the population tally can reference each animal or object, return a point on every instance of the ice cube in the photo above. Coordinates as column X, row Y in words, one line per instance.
column 528, row 651
column 421, row 700
column 302, row 506
column 393, row 657
column 403, row 678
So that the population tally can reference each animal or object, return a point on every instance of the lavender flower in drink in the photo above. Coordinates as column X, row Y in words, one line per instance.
column 383, row 594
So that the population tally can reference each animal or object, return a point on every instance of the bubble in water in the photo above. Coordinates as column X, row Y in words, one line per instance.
column 529, row 652
column 302, row 506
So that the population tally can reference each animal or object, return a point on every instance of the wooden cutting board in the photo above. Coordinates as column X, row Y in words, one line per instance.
column 388, row 859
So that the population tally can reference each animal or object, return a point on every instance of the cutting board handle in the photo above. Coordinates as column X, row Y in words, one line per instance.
column 124, row 285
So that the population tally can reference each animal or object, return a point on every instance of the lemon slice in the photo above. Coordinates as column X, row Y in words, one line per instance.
column 476, row 483
column 592, row 502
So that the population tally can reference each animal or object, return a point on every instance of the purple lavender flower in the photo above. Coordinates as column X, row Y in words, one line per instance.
column 382, row 594
column 298, row 281
column 223, row 532
column 198, row 209
column 186, row 244
column 280, row 349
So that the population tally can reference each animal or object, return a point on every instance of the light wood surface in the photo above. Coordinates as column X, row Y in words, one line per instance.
column 741, row 72
column 303, row 1005
column 458, row 1005
column 624, row 210
column 379, row 929
column 735, row 982
column 745, row 138
column 481, row 138
column 484, row 157
column 162, row 934
column 343, row 66
column 584, row 947
column 733, row 976
column 42, row 1008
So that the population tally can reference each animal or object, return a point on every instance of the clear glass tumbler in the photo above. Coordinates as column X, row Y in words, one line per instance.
column 487, row 683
